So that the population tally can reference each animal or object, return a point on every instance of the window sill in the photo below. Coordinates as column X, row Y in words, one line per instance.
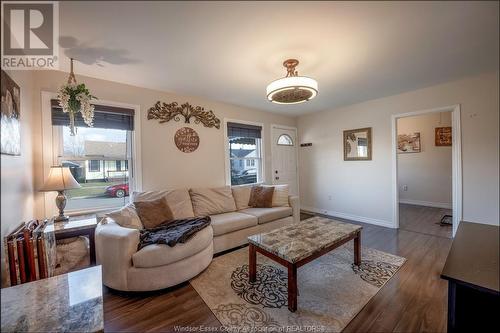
column 249, row 184
column 97, row 211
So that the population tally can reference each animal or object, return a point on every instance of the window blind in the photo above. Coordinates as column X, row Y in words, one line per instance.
column 235, row 130
column 104, row 117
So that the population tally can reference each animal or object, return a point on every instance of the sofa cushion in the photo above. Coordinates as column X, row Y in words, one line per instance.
column 280, row 195
column 241, row 195
column 161, row 254
column 228, row 222
column 211, row 201
column 265, row 215
column 179, row 201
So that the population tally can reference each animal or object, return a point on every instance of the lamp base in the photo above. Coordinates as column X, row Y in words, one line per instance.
column 61, row 218
column 61, row 203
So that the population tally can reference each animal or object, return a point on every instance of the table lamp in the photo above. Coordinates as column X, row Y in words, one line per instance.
column 60, row 179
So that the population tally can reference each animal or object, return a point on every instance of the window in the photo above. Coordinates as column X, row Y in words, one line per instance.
column 94, row 165
column 245, row 153
column 97, row 157
column 285, row 140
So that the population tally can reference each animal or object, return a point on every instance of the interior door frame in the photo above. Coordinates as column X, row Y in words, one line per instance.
column 273, row 148
column 457, row 205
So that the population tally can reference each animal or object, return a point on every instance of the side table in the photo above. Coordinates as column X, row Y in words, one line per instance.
column 84, row 225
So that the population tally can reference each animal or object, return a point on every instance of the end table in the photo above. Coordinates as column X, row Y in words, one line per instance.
column 83, row 225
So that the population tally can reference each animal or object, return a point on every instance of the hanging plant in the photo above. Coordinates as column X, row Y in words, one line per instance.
column 74, row 98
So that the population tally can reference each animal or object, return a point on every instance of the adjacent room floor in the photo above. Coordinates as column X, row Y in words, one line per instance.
column 413, row 300
column 424, row 220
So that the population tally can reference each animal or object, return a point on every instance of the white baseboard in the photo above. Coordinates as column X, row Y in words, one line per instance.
column 426, row 203
column 357, row 218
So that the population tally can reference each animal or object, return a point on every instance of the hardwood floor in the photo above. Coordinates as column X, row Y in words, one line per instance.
column 414, row 300
column 424, row 220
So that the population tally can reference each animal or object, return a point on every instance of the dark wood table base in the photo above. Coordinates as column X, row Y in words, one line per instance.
column 292, row 267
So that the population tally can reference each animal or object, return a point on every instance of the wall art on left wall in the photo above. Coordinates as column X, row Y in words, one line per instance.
column 11, row 112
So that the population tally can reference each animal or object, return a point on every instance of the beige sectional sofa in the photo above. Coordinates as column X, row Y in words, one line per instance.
column 160, row 266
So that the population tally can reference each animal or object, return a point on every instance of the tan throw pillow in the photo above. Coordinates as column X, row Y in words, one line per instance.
column 241, row 195
column 211, row 201
column 153, row 213
column 261, row 197
column 178, row 200
column 126, row 217
column 280, row 195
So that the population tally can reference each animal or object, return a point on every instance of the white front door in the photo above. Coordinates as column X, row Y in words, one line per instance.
column 284, row 157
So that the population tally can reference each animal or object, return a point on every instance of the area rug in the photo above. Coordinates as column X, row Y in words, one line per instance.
column 332, row 290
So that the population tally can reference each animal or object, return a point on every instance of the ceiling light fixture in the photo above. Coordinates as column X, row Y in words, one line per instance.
column 292, row 89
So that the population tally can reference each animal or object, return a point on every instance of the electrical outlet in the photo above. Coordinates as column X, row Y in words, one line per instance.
column 330, row 197
column 405, row 188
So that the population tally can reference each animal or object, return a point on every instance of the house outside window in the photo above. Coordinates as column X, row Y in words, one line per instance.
column 97, row 157
column 245, row 153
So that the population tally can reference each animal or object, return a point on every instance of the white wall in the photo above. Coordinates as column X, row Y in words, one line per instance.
column 163, row 165
column 362, row 189
column 427, row 174
column 17, row 171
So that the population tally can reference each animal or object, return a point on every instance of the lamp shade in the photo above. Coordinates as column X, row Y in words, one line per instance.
column 59, row 179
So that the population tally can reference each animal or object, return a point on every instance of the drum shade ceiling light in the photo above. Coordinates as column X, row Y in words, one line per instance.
column 292, row 89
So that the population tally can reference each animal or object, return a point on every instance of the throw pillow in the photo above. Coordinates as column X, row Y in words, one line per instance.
column 178, row 200
column 126, row 217
column 153, row 213
column 280, row 195
column 211, row 201
column 241, row 196
column 261, row 197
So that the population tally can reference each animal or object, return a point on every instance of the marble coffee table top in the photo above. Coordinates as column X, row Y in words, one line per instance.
column 65, row 303
column 297, row 241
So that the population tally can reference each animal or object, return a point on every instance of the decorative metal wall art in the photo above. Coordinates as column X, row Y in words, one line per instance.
column 186, row 139
column 165, row 112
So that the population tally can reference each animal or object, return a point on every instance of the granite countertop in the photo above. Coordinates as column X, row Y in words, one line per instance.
column 71, row 225
column 69, row 302
column 300, row 240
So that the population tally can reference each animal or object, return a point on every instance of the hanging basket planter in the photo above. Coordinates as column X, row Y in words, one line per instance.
column 74, row 98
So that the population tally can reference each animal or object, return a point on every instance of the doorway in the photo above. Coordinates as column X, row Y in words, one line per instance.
column 424, row 173
column 284, row 157
column 409, row 146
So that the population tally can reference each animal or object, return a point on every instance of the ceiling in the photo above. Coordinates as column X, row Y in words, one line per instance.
column 230, row 51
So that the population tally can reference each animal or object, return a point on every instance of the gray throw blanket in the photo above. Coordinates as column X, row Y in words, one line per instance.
column 173, row 232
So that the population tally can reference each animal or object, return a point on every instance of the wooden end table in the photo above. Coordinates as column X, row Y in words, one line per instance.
column 297, row 244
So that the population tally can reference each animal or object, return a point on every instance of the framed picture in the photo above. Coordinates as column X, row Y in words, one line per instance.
column 443, row 136
column 409, row 143
column 358, row 144
column 11, row 111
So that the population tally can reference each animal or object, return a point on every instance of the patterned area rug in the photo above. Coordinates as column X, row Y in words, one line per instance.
column 331, row 290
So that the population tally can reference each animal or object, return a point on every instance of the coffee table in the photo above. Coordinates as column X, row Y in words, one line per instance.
column 297, row 244
column 69, row 302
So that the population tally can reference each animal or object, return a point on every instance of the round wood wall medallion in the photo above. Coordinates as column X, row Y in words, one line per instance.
column 187, row 140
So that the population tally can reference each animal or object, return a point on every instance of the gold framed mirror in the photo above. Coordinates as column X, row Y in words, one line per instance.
column 358, row 144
